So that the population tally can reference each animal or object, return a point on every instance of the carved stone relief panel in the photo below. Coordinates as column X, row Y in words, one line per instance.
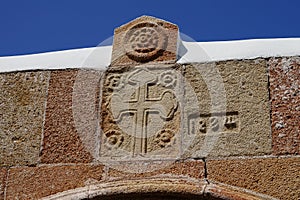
column 199, row 110
column 145, row 39
column 141, row 113
column 152, row 107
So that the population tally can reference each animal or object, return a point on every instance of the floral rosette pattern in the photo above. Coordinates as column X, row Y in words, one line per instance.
column 145, row 41
column 113, row 139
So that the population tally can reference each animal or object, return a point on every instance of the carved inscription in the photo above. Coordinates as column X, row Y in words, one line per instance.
column 213, row 123
column 140, row 112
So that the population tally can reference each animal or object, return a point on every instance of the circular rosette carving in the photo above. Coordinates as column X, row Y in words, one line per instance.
column 115, row 81
column 168, row 79
column 165, row 138
column 113, row 139
column 145, row 41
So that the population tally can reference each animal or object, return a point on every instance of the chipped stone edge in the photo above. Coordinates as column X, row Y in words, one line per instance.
column 99, row 58
column 221, row 190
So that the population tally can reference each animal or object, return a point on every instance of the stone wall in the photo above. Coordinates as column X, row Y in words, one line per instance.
column 218, row 130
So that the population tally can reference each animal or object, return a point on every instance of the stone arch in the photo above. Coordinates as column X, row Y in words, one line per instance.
column 153, row 189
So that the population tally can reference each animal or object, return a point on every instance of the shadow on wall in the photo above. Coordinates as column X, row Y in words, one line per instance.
column 155, row 196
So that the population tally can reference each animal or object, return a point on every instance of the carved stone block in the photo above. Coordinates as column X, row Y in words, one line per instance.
column 231, row 116
column 145, row 39
column 141, row 113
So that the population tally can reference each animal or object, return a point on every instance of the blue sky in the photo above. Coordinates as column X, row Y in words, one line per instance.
column 35, row 26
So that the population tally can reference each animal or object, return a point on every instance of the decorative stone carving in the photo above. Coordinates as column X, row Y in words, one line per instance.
column 113, row 139
column 142, row 117
column 168, row 79
column 114, row 82
column 144, row 40
column 206, row 110
column 165, row 138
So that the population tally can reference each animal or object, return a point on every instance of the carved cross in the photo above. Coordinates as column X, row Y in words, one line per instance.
column 141, row 105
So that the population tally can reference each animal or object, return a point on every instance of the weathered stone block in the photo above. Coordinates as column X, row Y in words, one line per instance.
column 285, row 104
column 140, row 112
column 38, row 182
column 70, row 134
column 145, row 39
column 227, row 110
column 22, row 103
column 277, row 177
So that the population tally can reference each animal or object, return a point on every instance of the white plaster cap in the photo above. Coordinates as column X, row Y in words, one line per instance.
column 99, row 57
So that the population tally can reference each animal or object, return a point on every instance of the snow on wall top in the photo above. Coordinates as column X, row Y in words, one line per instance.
column 189, row 52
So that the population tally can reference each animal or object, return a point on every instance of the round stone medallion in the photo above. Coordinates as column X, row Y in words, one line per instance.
column 145, row 41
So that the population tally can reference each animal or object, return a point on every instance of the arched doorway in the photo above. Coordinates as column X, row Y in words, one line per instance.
column 156, row 189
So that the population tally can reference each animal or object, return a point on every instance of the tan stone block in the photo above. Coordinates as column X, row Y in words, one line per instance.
column 227, row 110
column 140, row 112
column 188, row 169
column 23, row 98
column 145, row 39
column 285, row 103
column 3, row 175
column 38, row 182
column 277, row 177
column 71, row 117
